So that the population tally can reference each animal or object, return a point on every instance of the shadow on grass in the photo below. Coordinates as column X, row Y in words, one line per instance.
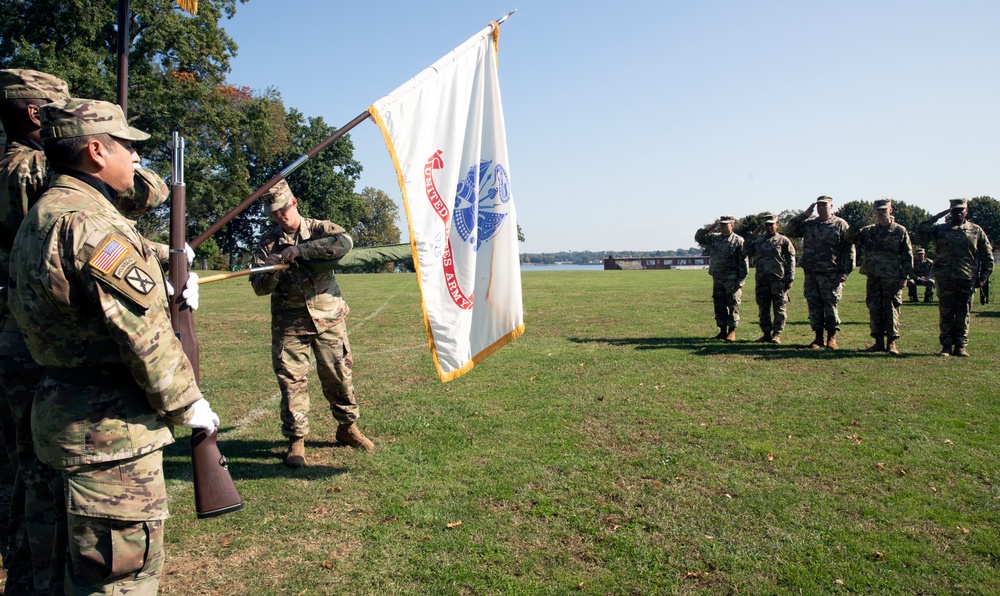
column 989, row 313
column 750, row 349
column 251, row 460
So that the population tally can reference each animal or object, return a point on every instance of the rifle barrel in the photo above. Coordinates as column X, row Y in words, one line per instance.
column 277, row 177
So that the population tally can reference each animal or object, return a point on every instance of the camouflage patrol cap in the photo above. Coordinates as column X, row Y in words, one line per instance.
column 958, row 203
column 727, row 219
column 824, row 199
column 76, row 117
column 770, row 218
column 277, row 197
column 19, row 83
column 883, row 204
column 920, row 251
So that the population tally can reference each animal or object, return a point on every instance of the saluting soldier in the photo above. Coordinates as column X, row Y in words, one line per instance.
column 308, row 313
column 921, row 276
column 728, row 268
column 88, row 294
column 774, row 260
column 827, row 259
column 887, row 262
column 963, row 262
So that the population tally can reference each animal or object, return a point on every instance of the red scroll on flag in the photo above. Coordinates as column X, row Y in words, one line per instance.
column 445, row 133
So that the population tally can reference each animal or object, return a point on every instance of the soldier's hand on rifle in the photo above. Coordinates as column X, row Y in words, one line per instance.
column 273, row 259
column 190, row 291
column 190, row 253
column 290, row 254
column 202, row 416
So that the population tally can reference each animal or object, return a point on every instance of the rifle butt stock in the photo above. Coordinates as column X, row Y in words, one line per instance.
column 214, row 491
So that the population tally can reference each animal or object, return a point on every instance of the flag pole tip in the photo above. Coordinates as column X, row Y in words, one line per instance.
column 504, row 17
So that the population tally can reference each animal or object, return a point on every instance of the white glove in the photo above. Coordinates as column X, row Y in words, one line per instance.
column 190, row 253
column 190, row 293
column 203, row 416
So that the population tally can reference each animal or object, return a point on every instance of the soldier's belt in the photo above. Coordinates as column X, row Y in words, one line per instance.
column 100, row 375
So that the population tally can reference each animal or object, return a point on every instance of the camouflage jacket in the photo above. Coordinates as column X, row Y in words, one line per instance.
column 921, row 270
column 303, row 302
column 88, row 295
column 725, row 254
column 774, row 258
column 961, row 252
column 24, row 176
column 824, row 246
column 887, row 251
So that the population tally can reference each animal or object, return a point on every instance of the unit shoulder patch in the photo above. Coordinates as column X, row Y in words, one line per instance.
column 118, row 264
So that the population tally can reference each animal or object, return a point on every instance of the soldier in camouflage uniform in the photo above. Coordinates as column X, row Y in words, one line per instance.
column 827, row 259
column 887, row 261
column 921, row 276
column 728, row 268
column 88, row 295
column 37, row 507
column 963, row 262
column 307, row 313
column 774, row 261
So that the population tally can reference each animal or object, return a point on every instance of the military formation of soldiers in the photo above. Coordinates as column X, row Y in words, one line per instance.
column 93, row 377
column 964, row 263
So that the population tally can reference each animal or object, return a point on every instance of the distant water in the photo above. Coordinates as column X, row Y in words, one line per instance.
column 526, row 267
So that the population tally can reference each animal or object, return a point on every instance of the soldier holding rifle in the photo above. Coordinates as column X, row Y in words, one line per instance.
column 88, row 295
column 307, row 313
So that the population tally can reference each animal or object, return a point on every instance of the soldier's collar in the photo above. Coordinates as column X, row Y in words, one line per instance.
column 98, row 184
column 28, row 142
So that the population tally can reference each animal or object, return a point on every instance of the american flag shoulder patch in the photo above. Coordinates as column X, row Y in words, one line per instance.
column 112, row 250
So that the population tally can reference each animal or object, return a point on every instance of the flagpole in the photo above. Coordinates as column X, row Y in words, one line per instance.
column 123, row 42
column 277, row 178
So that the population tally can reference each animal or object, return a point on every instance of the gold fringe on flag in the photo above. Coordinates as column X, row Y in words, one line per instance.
column 189, row 6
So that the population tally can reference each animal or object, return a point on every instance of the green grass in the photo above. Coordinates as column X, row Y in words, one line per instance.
column 612, row 449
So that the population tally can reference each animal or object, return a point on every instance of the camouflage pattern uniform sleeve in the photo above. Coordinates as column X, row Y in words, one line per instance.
column 985, row 257
column 788, row 252
column 744, row 266
column 905, row 256
column 702, row 236
column 793, row 229
column 846, row 259
column 162, row 252
column 263, row 283
column 145, row 339
column 853, row 234
column 327, row 241
column 925, row 232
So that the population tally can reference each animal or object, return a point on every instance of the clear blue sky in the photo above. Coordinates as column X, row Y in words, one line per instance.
column 632, row 123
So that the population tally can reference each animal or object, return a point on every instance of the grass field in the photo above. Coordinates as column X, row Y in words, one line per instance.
column 613, row 449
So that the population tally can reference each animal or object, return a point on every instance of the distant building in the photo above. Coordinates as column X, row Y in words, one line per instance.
column 688, row 262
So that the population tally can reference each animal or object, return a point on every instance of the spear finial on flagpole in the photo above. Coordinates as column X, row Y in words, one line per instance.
column 504, row 17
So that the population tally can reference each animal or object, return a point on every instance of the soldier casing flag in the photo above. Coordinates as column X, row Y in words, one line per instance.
column 445, row 133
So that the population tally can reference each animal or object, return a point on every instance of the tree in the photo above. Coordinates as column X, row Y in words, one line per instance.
column 985, row 212
column 236, row 139
column 857, row 213
column 520, row 234
column 377, row 224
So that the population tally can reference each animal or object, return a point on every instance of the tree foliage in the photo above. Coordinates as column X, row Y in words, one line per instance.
column 236, row 139
column 985, row 212
column 857, row 213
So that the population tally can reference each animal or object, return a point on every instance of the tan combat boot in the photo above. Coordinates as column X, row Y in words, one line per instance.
column 945, row 351
column 961, row 352
column 891, row 347
column 349, row 435
column 296, row 456
column 723, row 332
column 878, row 346
column 730, row 334
column 831, row 339
column 776, row 338
column 818, row 342
column 763, row 339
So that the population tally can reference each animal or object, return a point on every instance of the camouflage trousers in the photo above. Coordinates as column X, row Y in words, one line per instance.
column 726, row 296
column 883, row 297
column 40, row 512
column 290, row 358
column 771, row 296
column 954, row 306
column 912, row 284
column 822, row 292
column 116, row 512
